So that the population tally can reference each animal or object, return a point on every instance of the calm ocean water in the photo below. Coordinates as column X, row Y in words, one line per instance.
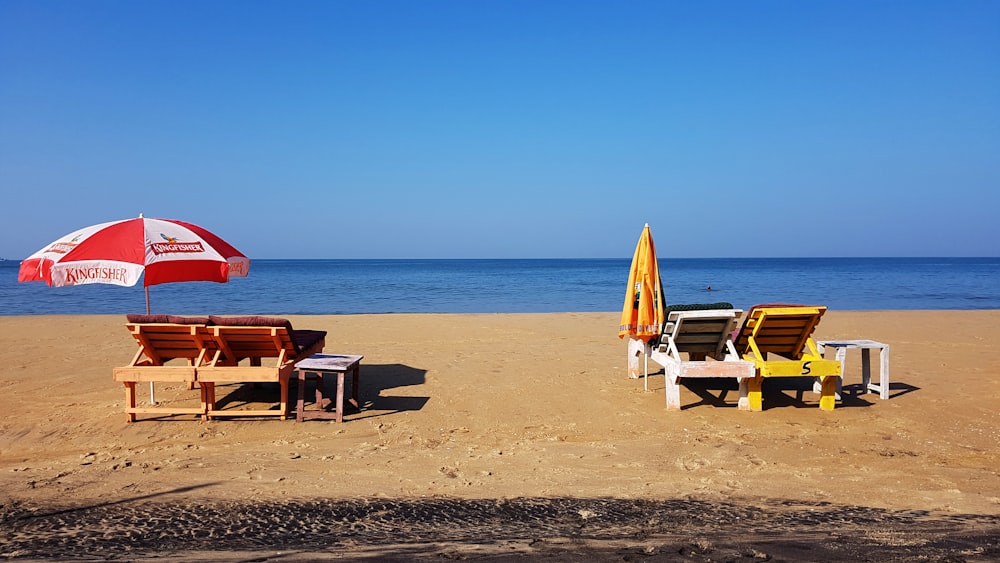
column 293, row 287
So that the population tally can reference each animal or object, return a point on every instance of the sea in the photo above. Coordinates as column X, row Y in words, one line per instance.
column 331, row 287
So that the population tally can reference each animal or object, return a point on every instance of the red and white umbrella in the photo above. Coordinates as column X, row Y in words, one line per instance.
column 120, row 252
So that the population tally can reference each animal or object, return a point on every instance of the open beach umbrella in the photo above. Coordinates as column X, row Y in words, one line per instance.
column 642, row 313
column 120, row 252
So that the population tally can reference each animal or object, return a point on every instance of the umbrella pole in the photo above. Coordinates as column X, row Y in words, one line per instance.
column 152, row 395
column 645, row 370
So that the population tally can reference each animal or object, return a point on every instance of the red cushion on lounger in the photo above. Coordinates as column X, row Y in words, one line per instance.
column 251, row 320
column 177, row 319
column 302, row 341
column 172, row 319
column 146, row 319
column 305, row 339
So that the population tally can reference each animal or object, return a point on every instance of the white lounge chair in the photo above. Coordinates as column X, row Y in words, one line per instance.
column 703, row 335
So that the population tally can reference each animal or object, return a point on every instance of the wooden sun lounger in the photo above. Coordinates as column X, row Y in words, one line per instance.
column 268, row 349
column 786, row 331
column 703, row 335
column 161, row 346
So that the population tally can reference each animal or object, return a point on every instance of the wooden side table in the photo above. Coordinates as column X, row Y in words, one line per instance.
column 866, row 346
column 327, row 364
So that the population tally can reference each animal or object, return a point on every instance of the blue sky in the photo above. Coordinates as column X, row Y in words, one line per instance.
column 521, row 129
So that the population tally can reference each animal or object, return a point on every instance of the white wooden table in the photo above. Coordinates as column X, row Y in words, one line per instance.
column 866, row 346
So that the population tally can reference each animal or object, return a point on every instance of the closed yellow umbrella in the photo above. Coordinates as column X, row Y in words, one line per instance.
column 642, row 313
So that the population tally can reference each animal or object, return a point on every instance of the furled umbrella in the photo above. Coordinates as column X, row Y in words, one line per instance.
column 642, row 313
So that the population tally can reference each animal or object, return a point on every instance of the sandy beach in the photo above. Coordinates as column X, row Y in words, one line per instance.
column 507, row 436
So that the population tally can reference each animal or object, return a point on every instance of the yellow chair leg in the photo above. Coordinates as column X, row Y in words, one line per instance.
column 754, row 395
column 828, row 398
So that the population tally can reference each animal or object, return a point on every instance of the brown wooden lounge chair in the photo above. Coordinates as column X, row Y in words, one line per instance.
column 163, row 341
column 255, row 350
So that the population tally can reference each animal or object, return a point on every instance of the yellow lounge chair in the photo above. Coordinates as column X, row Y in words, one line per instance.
column 703, row 335
column 786, row 331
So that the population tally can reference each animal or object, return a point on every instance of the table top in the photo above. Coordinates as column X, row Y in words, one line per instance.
column 852, row 343
column 328, row 362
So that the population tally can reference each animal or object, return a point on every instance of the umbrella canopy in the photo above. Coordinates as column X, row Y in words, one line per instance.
column 120, row 252
column 642, row 314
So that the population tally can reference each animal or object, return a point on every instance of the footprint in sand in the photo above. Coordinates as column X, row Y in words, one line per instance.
column 450, row 472
column 692, row 464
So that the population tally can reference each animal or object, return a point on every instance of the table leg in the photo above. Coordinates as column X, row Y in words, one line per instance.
column 883, row 372
column 340, row 396
column 818, row 382
column 319, row 405
column 866, row 369
column 300, row 403
column 841, row 357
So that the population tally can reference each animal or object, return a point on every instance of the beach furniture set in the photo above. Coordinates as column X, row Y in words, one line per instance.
column 210, row 351
column 696, row 341
column 773, row 340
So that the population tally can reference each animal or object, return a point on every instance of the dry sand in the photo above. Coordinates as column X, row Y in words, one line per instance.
column 507, row 436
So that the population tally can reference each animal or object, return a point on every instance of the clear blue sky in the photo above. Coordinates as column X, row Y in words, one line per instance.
column 506, row 128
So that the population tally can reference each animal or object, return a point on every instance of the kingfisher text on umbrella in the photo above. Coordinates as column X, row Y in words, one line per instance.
column 169, row 247
column 82, row 275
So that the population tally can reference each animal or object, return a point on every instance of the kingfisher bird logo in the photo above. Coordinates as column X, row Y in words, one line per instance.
column 64, row 247
column 175, row 246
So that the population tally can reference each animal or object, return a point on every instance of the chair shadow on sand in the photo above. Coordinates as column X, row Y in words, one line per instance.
column 375, row 379
column 723, row 392
column 799, row 393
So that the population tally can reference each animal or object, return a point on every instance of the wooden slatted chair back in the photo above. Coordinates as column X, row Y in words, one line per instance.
column 779, row 330
column 162, row 342
column 239, row 342
column 701, row 332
